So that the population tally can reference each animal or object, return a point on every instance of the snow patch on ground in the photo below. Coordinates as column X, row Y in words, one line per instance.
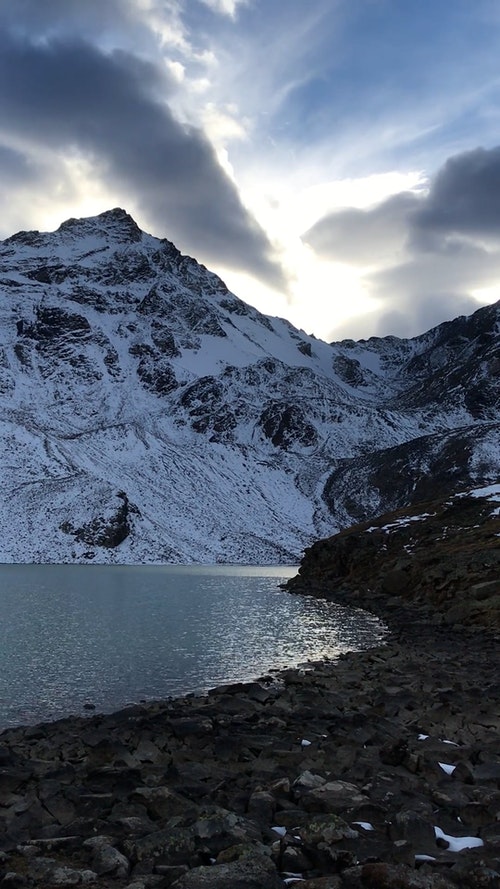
column 490, row 492
column 456, row 844
column 401, row 523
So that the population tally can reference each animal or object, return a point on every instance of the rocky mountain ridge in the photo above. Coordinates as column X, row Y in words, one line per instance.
column 149, row 415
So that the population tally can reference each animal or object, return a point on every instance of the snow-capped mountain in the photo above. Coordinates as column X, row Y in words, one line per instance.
column 149, row 415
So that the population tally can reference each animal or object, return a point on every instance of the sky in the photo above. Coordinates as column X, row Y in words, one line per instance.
column 336, row 162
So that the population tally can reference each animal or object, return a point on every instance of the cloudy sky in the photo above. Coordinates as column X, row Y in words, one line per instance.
column 335, row 161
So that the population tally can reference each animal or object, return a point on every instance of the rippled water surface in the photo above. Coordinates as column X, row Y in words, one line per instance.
column 112, row 635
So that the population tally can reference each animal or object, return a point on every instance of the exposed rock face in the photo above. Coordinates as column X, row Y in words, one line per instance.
column 125, row 366
column 284, row 425
column 443, row 555
column 106, row 530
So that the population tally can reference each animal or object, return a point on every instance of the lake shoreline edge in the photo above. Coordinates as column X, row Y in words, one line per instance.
column 169, row 786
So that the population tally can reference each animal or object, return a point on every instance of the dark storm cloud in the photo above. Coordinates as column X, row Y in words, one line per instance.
column 464, row 199
column 15, row 167
column 363, row 237
column 432, row 251
column 46, row 17
column 110, row 107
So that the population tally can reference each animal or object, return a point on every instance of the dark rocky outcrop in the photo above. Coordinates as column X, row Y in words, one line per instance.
column 53, row 323
column 205, row 405
column 156, row 374
column 349, row 370
column 164, row 340
column 442, row 555
column 286, row 426
column 107, row 529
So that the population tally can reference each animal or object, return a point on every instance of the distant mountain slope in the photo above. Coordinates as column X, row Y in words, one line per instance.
column 147, row 414
column 455, row 366
column 422, row 469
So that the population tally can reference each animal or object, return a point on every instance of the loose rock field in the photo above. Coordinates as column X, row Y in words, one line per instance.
column 344, row 775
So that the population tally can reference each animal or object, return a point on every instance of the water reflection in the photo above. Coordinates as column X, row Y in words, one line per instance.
column 116, row 634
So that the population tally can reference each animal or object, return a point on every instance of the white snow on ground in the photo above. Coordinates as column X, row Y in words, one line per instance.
column 489, row 492
column 456, row 844
column 447, row 767
column 401, row 523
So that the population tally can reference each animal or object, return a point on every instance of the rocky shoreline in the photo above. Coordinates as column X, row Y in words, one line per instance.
column 372, row 771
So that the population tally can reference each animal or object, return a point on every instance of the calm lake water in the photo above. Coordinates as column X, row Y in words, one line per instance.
column 113, row 635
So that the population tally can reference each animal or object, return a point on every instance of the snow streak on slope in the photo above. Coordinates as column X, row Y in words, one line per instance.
column 147, row 414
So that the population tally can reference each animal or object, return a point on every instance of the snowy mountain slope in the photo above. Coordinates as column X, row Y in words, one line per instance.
column 455, row 364
column 147, row 414
column 423, row 469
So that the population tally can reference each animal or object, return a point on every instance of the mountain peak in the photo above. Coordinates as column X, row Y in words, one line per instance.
column 117, row 223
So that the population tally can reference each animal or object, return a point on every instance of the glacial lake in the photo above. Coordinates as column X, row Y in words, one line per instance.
column 114, row 635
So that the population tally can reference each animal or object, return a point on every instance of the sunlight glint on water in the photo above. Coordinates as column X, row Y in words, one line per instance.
column 113, row 635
